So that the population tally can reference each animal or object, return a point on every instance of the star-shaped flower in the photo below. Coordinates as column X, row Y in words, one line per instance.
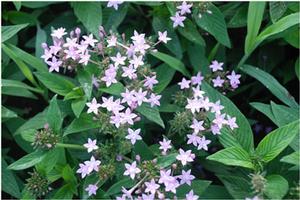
column 186, row 177
column 93, row 106
column 131, row 170
column 92, row 189
column 215, row 66
column 218, row 82
column 185, row 8
column 203, row 143
column 133, row 135
column 178, row 20
column 91, row 145
column 162, row 36
column 89, row 40
column 59, row 33
column 185, row 156
column 93, row 164
column 151, row 186
column 184, row 83
column 114, row 3
column 165, row 145
column 118, row 59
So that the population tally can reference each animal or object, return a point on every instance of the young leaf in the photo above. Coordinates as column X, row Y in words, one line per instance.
column 172, row 62
column 166, row 161
column 277, row 141
column 276, row 187
column 90, row 14
column 284, row 114
column 237, row 186
column 7, row 114
column 271, row 83
column 56, row 83
column 151, row 113
column 78, row 105
column 254, row 19
column 293, row 158
column 214, row 24
column 83, row 123
column 114, row 89
column 54, row 116
column 28, row 161
column 85, row 80
column 242, row 136
column 9, row 31
column 234, row 156
column 190, row 32
column 164, row 75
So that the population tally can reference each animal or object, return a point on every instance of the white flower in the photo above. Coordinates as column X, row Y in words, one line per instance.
column 163, row 37
column 131, row 170
column 114, row 3
column 59, row 33
column 91, row 145
column 185, row 156
column 133, row 135
column 93, row 106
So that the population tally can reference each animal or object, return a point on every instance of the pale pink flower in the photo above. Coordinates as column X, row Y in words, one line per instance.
column 127, row 117
column 131, row 170
column 150, row 82
column 59, row 33
column 54, row 64
column 193, row 139
column 133, row 135
column 197, row 80
column 231, row 122
column 92, row 189
column 203, row 143
column 136, row 61
column 112, row 41
column 218, row 82
column 92, row 164
column 197, row 126
column 185, row 156
column 91, row 145
column 129, row 72
column 151, row 186
column 178, row 20
column 140, row 96
column 215, row 66
column 154, row 100
column 118, row 60
column 162, row 36
column 89, row 40
column 165, row 145
column 185, row 8
column 83, row 170
column 186, row 177
column 93, row 106
column 184, row 83
column 114, row 3
column 191, row 196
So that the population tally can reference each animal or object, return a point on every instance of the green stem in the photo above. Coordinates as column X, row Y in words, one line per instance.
column 70, row 146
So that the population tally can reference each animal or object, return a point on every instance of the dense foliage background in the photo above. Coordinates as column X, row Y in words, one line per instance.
column 264, row 97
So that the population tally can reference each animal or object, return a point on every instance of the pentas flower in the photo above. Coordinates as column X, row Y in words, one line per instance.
column 215, row 66
column 140, row 96
column 148, row 197
column 154, row 100
column 193, row 139
column 92, row 164
column 234, row 79
column 197, row 80
column 91, row 145
column 118, row 60
column 231, row 122
column 133, row 135
column 114, row 3
column 54, row 64
column 127, row 117
column 83, row 170
column 151, row 186
column 93, row 106
column 136, row 61
column 186, row 177
column 197, row 126
column 218, row 82
column 162, row 37
column 185, row 156
column 92, row 189
column 150, row 82
column 184, row 83
column 131, row 170
column 59, row 33
column 165, row 145
column 129, row 72
column 178, row 20
column 185, row 8
column 191, row 196
column 202, row 143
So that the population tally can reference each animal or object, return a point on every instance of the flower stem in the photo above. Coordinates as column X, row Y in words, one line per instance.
column 70, row 146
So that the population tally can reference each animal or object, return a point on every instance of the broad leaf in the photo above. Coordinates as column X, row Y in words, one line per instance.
column 54, row 116
column 56, row 83
column 172, row 62
column 90, row 14
column 166, row 161
column 214, row 23
column 277, row 141
column 277, row 9
column 237, row 186
column 117, row 187
column 276, row 187
column 271, row 83
column 234, row 156
column 198, row 186
column 28, row 161
column 293, row 158
column 114, row 89
column 190, row 32
column 164, row 75
column 151, row 113
column 9, row 31
column 9, row 183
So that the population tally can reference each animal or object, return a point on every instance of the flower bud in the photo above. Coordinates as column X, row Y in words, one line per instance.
column 77, row 32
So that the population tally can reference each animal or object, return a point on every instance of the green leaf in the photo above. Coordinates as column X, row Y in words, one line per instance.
column 277, row 9
column 142, row 149
column 68, row 174
column 36, row 122
column 34, row 62
column 172, row 62
column 237, row 186
column 114, row 89
column 18, row 5
column 276, row 187
column 19, row 17
column 271, row 83
column 198, row 186
column 50, row 160
column 283, row 114
column 117, row 187
column 116, row 18
column 65, row 192
column 56, row 83
column 239, row 19
column 242, row 136
column 41, row 37
column 160, row 23
column 54, row 116
column 9, row 183
column 276, row 141
column 18, row 92
column 9, row 31
column 297, row 68
column 233, row 156
column 281, row 25
column 28, row 161
column 214, row 24
column 78, row 105
column 265, row 109
column 166, row 161
column 254, row 19
column 36, row 4
column 293, row 158
column 151, row 113
column 164, row 75
column 190, row 32
column 22, row 66
column 7, row 114
column 83, row 123
column 85, row 80
column 19, row 85
column 29, row 135
column 90, row 14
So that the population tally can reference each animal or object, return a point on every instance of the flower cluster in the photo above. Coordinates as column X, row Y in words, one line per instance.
column 156, row 182
column 69, row 52
column 223, row 79
column 203, row 115
column 114, row 3
column 185, row 8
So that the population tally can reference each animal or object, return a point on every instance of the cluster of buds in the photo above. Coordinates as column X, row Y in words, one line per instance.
column 258, row 182
column 185, row 8
column 45, row 139
column 37, row 184
column 154, row 181
column 201, row 116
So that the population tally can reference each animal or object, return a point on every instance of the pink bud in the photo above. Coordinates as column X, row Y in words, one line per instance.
column 46, row 126
column 138, row 158
column 44, row 46
column 77, row 32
